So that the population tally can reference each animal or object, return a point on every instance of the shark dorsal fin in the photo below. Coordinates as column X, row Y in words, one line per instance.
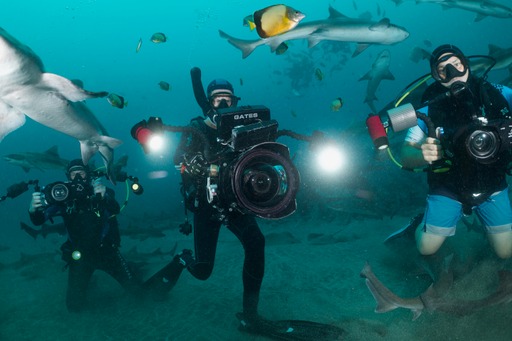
column 493, row 49
column 381, row 25
column 53, row 151
column 335, row 14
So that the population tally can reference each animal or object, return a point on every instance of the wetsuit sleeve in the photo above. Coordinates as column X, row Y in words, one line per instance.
column 506, row 92
column 39, row 217
column 183, row 148
column 189, row 144
column 110, row 202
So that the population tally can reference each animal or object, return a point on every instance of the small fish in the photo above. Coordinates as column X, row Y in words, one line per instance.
column 241, row 82
column 249, row 21
column 282, row 48
column 138, row 46
column 273, row 20
column 116, row 101
column 336, row 104
column 294, row 113
column 164, row 85
column 427, row 43
column 319, row 74
column 158, row 37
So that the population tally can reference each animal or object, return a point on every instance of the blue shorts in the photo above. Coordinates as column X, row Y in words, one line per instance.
column 442, row 214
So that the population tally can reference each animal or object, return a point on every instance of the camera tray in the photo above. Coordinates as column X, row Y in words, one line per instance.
column 230, row 118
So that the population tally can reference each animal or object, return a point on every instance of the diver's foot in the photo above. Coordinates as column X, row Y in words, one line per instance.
column 164, row 280
column 408, row 231
column 185, row 257
column 253, row 323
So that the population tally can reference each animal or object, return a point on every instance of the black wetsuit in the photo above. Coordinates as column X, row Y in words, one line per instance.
column 93, row 231
column 207, row 225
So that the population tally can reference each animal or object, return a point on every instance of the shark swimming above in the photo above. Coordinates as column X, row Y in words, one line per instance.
column 49, row 159
column 482, row 8
column 337, row 27
column 49, row 99
column 434, row 299
column 379, row 71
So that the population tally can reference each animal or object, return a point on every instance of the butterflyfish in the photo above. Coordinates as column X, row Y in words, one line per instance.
column 273, row 20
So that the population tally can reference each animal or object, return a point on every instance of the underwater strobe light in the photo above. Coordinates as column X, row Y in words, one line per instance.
column 149, row 134
column 398, row 119
column 377, row 132
column 136, row 187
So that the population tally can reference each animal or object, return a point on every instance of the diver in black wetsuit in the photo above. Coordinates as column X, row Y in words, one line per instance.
column 190, row 160
column 89, row 216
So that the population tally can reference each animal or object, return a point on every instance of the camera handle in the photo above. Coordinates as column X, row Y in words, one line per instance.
column 441, row 165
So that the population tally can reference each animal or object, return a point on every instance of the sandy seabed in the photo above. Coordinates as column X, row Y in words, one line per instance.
column 312, row 279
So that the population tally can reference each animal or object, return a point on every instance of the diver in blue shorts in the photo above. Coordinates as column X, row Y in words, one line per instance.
column 469, row 158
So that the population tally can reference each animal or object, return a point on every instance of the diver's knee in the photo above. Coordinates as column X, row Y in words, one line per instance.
column 504, row 254
column 427, row 243
column 502, row 244
column 202, row 271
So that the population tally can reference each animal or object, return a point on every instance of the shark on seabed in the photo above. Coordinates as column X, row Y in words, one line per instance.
column 49, row 99
column 435, row 297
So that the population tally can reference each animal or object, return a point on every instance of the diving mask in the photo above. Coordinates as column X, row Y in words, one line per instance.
column 223, row 101
column 448, row 67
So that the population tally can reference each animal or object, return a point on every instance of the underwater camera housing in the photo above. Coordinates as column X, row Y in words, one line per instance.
column 486, row 141
column 255, row 173
column 60, row 193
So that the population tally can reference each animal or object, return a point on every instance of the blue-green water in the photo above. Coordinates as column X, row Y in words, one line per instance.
column 95, row 41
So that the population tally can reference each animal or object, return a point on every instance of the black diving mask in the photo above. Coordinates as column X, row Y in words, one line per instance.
column 449, row 71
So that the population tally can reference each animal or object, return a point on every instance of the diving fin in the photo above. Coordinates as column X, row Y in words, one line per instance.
column 407, row 231
column 299, row 330
column 164, row 280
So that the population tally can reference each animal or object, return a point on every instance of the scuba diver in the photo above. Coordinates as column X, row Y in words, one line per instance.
column 465, row 173
column 190, row 159
column 207, row 222
column 89, row 210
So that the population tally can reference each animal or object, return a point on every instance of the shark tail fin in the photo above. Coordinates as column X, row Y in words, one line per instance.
column 105, row 145
column 246, row 46
column 106, row 149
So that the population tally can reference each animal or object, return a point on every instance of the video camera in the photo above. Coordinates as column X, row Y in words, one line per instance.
column 486, row 141
column 255, row 174
column 60, row 193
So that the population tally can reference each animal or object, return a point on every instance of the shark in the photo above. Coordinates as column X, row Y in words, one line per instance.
column 49, row 159
column 434, row 298
column 26, row 90
column 379, row 72
column 337, row 27
column 483, row 9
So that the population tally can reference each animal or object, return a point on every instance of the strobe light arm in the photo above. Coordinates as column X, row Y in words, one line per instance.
column 144, row 130
column 316, row 136
column 17, row 189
